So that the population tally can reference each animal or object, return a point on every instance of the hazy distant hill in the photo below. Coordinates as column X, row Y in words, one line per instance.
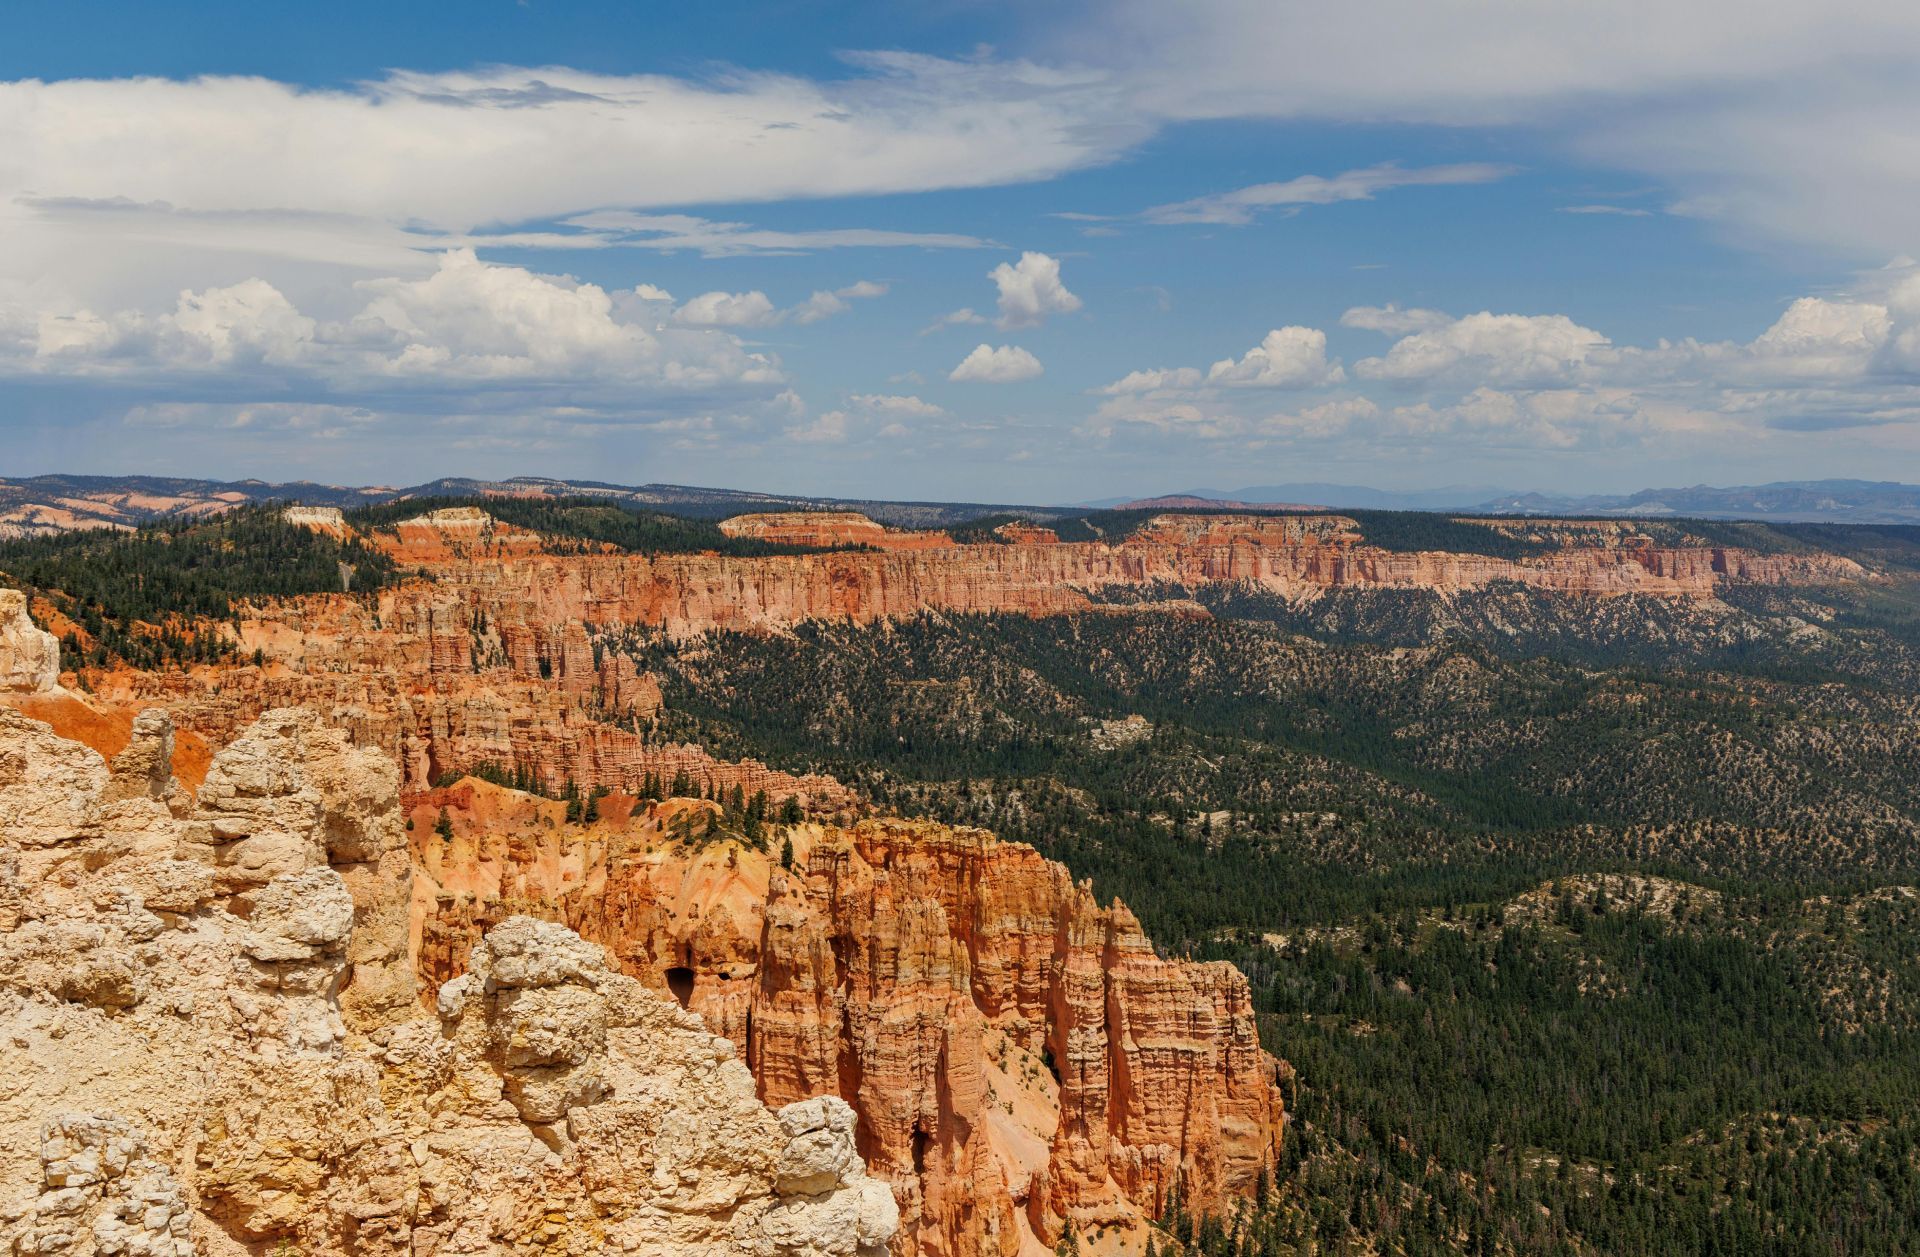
column 59, row 503
column 1360, row 497
column 1838, row 501
column 1193, row 502
column 1828, row 501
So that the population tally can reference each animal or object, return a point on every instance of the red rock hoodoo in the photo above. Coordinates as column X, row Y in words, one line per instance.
column 1018, row 1055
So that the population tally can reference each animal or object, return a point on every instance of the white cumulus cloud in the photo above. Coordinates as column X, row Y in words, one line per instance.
column 1493, row 347
column 963, row 317
column 1289, row 357
column 825, row 304
column 467, row 321
column 1153, row 379
column 756, row 309
column 897, row 405
column 1823, row 338
column 1030, row 290
column 988, row 364
column 728, row 309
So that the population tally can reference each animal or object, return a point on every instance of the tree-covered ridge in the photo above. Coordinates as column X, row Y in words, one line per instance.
column 1330, row 771
column 1440, row 863
column 1403, row 531
column 1518, row 537
column 589, row 524
column 150, row 596
column 1600, row 1066
column 984, row 531
column 1866, row 633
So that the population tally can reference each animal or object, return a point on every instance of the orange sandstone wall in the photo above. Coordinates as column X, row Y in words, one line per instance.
column 492, row 657
column 1296, row 556
column 1018, row 1055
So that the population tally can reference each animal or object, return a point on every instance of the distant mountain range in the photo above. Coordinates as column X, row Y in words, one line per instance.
column 57, row 503
column 1835, row 501
column 1832, row 501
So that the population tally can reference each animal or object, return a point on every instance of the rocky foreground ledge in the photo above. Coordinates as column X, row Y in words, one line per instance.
column 214, row 1045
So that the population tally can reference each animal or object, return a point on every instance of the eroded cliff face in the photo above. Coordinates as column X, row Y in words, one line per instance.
column 1017, row 1054
column 442, row 688
column 1298, row 557
column 500, row 653
column 214, row 1044
column 828, row 529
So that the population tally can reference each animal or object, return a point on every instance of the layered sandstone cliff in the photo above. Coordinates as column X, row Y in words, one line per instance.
column 214, row 1044
column 828, row 529
column 1298, row 557
column 498, row 652
column 444, row 688
column 1018, row 1055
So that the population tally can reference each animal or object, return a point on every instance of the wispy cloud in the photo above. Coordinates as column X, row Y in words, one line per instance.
column 684, row 233
column 1624, row 211
column 1242, row 206
column 966, row 316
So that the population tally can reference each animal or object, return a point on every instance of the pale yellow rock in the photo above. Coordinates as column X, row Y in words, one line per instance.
column 29, row 655
column 49, row 787
column 213, row 1044
column 101, row 1194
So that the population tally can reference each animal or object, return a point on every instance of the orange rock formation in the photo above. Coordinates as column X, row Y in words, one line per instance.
column 1018, row 1055
column 1296, row 556
column 830, row 528
column 506, row 654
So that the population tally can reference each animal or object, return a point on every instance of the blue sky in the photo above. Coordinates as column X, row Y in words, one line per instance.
column 1038, row 252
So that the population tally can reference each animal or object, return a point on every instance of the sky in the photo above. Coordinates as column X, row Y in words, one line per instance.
column 1044, row 252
